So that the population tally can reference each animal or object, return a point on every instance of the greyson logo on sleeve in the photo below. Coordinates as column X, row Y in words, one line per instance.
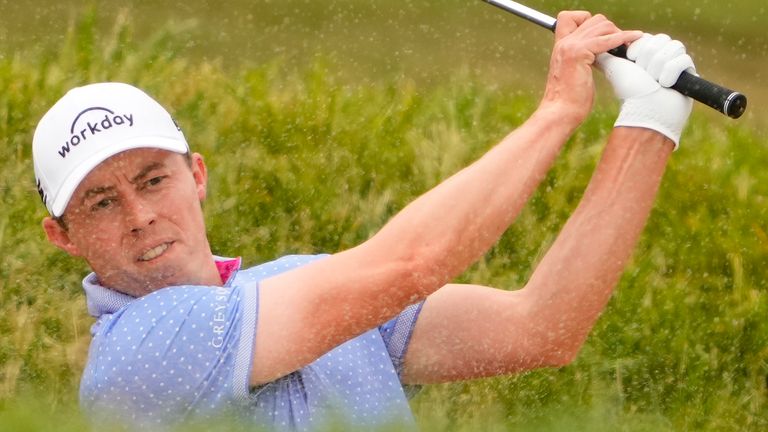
column 85, row 127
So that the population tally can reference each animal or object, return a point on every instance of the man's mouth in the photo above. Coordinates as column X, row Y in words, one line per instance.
column 155, row 252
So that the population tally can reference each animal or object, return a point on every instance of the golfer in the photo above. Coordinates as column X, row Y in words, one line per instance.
column 182, row 334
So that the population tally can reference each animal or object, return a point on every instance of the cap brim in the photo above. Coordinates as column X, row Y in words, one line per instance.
column 70, row 184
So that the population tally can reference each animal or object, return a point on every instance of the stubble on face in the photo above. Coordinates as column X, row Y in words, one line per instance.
column 137, row 220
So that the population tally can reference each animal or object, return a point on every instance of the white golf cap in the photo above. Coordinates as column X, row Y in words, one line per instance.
column 87, row 126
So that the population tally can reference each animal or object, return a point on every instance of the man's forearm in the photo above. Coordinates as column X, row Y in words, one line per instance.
column 576, row 277
column 452, row 225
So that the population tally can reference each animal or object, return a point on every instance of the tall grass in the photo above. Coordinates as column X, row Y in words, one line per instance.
column 301, row 162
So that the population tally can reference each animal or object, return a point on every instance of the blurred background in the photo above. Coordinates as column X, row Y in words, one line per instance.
column 334, row 114
column 425, row 41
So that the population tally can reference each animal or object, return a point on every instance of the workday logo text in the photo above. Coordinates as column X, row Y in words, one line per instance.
column 91, row 122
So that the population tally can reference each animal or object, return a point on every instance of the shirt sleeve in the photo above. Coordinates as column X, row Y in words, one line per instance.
column 397, row 334
column 177, row 351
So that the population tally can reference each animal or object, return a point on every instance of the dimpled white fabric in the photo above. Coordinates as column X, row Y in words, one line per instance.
column 641, row 85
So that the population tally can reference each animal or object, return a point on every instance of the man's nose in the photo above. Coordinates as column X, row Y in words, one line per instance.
column 139, row 214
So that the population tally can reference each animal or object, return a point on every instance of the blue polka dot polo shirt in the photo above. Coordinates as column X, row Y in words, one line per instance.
column 184, row 353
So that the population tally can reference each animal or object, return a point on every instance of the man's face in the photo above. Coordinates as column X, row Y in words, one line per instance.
column 137, row 221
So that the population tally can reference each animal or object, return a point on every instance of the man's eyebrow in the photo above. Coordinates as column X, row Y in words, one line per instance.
column 146, row 170
column 97, row 191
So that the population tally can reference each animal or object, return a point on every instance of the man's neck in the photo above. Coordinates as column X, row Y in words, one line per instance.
column 217, row 273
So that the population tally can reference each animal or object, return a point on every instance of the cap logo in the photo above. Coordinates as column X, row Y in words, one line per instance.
column 81, row 130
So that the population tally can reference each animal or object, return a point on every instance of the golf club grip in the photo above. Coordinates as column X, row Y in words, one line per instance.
column 729, row 102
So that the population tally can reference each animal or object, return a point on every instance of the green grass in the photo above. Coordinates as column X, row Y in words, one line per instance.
column 303, row 160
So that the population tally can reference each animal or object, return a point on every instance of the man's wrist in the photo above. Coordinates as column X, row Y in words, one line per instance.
column 664, row 111
column 557, row 117
column 643, row 137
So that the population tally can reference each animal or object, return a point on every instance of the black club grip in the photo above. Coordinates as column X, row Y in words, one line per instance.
column 729, row 102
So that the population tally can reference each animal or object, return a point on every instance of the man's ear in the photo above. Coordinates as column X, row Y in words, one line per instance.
column 59, row 237
column 200, row 174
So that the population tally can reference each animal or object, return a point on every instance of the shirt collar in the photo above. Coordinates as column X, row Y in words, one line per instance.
column 102, row 300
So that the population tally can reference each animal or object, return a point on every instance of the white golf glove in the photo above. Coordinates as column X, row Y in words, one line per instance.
column 642, row 85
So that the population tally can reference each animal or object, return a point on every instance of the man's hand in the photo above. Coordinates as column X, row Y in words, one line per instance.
column 579, row 38
column 642, row 85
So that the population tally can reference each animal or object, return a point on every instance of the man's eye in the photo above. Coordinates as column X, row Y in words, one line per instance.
column 154, row 181
column 103, row 204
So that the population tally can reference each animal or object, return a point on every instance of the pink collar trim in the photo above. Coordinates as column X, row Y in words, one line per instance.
column 227, row 267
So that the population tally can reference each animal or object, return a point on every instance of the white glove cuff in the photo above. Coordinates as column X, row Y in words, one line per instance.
column 661, row 111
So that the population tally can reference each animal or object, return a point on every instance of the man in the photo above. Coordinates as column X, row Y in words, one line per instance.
column 291, row 344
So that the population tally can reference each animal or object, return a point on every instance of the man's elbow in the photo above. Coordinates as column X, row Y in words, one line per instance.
column 421, row 270
column 560, row 357
column 562, row 349
column 553, row 342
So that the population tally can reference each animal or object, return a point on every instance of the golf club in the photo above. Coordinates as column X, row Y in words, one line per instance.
column 729, row 102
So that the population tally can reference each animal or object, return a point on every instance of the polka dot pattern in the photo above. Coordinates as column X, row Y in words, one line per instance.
column 185, row 351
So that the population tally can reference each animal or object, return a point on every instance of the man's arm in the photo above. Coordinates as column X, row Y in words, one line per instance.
column 308, row 311
column 467, row 331
column 470, row 331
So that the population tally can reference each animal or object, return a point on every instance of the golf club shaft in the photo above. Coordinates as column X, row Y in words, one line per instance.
column 729, row 102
